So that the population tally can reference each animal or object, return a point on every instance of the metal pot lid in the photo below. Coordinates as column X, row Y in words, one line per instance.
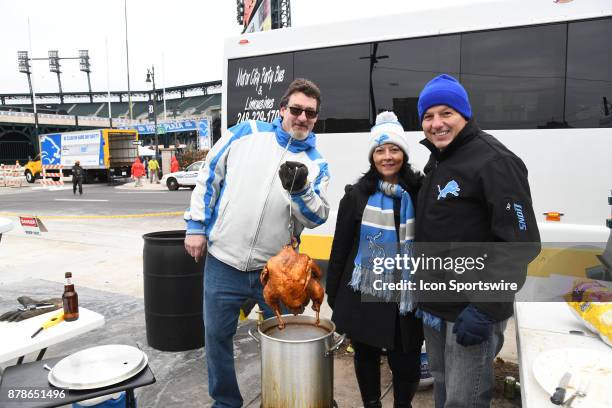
column 98, row 367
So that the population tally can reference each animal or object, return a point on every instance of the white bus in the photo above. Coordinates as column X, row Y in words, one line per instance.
column 538, row 74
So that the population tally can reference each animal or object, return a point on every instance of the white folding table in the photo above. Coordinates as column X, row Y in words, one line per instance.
column 16, row 340
column 544, row 326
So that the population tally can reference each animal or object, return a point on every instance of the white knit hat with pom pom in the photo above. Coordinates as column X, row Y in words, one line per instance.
column 388, row 130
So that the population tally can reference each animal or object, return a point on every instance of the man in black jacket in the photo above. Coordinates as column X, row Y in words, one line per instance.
column 78, row 174
column 475, row 203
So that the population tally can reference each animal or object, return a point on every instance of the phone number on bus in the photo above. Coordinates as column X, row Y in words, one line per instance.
column 267, row 116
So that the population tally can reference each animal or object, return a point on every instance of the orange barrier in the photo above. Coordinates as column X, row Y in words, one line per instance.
column 11, row 175
column 48, row 176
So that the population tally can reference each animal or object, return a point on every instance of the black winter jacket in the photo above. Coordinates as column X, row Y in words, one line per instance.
column 372, row 323
column 78, row 174
column 476, row 191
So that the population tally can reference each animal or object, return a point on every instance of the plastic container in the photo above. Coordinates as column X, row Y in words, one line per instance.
column 427, row 379
column 106, row 401
column 173, row 293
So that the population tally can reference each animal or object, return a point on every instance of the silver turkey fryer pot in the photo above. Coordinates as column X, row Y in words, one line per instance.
column 297, row 363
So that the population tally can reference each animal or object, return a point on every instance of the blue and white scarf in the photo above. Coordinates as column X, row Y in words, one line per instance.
column 378, row 239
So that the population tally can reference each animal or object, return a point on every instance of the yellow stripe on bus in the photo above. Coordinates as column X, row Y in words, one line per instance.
column 565, row 261
column 560, row 261
column 316, row 246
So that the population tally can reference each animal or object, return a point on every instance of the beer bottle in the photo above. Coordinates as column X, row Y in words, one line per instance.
column 70, row 299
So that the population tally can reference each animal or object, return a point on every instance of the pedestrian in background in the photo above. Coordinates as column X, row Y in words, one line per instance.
column 153, row 169
column 174, row 165
column 78, row 174
column 138, row 171
column 145, row 161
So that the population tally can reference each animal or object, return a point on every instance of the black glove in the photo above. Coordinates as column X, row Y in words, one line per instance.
column 30, row 308
column 293, row 173
column 473, row 326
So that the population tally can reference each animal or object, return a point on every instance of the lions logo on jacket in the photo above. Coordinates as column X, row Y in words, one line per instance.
column 450, row 188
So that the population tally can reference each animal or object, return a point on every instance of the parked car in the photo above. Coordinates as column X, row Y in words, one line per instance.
column 184, row 178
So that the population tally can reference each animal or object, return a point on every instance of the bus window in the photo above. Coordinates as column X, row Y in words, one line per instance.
column 405, row 66
column 515, row 77
column 589, row 74
column 342, row 73
column 256, row 85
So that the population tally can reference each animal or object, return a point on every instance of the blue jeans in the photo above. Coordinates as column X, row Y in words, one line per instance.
column 463, row 376
column 225, row 290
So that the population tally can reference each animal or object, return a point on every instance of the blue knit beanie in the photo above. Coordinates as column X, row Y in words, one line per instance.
column 444, row 90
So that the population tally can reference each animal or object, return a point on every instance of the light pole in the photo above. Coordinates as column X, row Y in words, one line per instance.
column 127, row 58
column 54, row 66
column 85, row 66
column 151, row 78
column 23, row 61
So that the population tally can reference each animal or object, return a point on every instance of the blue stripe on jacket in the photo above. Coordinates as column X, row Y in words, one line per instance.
column 313, row 154
column 215, row 213
column 264, row 126
column 240, row 130
column 306, row 212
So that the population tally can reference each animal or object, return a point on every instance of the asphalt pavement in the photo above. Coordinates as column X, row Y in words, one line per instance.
column 97, row 199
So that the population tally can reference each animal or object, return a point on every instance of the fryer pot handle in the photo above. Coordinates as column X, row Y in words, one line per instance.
column 336, row 346
column 252, row 335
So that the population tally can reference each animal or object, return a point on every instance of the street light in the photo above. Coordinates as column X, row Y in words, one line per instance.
column 85, row 66
column 151, row 78
column 23, row 62
column 54, row 66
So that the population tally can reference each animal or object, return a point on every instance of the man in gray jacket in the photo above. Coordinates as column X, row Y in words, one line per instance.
column 258, row 178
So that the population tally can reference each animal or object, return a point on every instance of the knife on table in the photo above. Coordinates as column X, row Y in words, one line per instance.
column 559, row 396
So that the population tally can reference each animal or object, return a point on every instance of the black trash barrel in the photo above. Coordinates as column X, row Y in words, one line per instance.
column 173, row 293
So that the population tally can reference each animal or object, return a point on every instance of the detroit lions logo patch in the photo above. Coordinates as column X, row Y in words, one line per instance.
column 450, row 188
column 381, row 139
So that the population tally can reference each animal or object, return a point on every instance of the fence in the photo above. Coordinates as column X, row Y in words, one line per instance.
column 11, row 176
column 52, row 175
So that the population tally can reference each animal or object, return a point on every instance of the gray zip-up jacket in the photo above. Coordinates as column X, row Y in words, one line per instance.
column 239, row 202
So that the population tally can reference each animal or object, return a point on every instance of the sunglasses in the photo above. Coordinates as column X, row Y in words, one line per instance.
column 310, row 113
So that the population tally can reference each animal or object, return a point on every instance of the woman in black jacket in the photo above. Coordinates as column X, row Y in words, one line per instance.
column 375, row 319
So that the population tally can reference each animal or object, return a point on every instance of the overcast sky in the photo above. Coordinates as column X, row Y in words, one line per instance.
column 183, row 38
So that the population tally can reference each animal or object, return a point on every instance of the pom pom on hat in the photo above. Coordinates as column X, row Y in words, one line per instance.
column 444, row 90
column 387, row 130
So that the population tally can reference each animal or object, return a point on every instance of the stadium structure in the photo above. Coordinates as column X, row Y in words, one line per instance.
column 19, row 126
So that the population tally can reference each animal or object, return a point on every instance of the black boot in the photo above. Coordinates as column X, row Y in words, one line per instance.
column 368, row 378
column 403, row 393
